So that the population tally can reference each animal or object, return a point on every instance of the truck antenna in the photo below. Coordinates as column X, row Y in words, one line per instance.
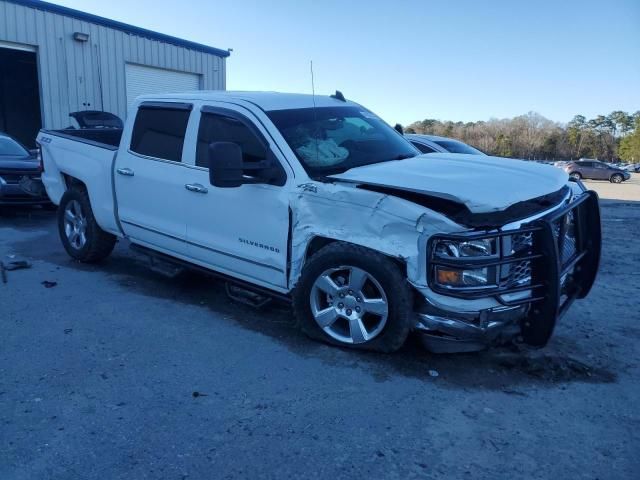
column 315, row 115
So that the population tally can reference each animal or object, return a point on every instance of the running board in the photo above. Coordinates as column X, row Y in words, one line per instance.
column 238, row 290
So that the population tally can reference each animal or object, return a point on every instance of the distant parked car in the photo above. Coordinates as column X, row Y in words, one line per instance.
column 432, row 143
column 596, row 170
column 20, row 170
column 634, row 167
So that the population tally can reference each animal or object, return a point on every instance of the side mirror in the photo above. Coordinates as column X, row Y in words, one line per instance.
column 398, row 128
column 225, row 165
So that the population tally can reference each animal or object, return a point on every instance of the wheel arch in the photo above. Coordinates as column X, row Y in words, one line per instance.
column 318, row 242
column 104, row 216
column 73, row 182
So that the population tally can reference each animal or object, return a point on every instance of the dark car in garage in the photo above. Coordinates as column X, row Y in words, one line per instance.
column 20, row 171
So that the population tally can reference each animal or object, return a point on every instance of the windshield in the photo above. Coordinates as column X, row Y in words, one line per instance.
column 9, row 147
column 331, row 140
column 457, row 147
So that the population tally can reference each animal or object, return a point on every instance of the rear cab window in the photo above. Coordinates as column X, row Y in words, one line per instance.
column 159, row 130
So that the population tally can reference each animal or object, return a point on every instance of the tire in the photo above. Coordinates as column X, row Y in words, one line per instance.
column 375, row 309
column 616, row 178
column 576, row 175
column 80, row 234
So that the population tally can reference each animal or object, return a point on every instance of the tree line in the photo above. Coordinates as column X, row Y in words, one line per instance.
column 614, row 137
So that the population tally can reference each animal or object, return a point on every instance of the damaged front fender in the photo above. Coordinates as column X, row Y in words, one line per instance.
column 384, row 223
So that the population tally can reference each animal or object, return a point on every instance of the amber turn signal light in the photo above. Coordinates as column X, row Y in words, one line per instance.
column 449, row 277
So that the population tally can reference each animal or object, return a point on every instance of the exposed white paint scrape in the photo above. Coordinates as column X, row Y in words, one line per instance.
column 482, row 183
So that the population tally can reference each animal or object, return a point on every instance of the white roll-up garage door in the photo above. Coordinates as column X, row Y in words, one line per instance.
column 142, row 80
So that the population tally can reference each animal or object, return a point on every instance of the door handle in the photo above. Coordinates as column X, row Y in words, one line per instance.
column 127, row 172
column 196, row 187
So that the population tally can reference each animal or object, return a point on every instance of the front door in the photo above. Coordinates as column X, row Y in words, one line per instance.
column 240, row 231
column 150, row 178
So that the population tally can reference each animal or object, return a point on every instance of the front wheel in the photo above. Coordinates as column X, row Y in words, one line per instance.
column 81, row 236
column 354, row 297
column 616, row 178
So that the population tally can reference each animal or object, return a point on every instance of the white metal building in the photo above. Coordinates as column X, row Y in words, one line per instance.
column 55, row 60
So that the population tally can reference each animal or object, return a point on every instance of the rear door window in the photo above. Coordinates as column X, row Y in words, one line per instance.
column 159, row 132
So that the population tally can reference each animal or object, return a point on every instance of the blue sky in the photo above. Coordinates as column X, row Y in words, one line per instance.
column 413, row 59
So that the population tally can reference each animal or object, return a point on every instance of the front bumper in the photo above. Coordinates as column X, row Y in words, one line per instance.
column 561, row 267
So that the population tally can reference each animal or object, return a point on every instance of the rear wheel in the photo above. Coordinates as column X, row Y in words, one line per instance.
column 616, row 178
column 576, row 175
column 81, row 236
column 354, row 297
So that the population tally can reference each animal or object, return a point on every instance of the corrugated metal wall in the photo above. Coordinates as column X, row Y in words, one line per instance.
column 91, row 75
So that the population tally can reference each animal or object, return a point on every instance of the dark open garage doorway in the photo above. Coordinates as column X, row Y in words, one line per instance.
column 19, row 95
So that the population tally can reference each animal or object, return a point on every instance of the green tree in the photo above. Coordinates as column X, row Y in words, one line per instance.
column 622, row 122
column 630, row 145
column 575, row 132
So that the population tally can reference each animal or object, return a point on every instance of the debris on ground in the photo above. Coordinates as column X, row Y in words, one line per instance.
column 434, row 373
column 48, row 284
column 198, row 394
column 10, row 265
column 16, row 265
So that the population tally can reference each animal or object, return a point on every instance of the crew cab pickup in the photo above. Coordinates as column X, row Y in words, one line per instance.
column 316, row 199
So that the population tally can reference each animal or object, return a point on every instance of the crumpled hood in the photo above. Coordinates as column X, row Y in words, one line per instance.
column 482, row 183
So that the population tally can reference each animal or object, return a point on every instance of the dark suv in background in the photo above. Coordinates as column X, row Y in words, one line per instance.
column 596, row 170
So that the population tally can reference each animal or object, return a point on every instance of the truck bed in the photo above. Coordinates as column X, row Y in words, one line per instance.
column 103, row 137
column 86, row 156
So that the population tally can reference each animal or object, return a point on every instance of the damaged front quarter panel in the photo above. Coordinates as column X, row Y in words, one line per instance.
column 379, row 221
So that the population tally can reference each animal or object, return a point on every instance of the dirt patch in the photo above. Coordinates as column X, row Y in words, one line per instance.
column 554, row 369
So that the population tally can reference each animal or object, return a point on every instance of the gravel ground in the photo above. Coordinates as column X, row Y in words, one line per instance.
column 119, row 373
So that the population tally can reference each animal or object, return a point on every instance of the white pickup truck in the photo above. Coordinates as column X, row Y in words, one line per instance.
column 318, row 200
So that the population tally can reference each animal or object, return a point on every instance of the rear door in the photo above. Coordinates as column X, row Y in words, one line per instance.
column 240, row 231
column 586, row 169
column 600, row 171
column 150, row 177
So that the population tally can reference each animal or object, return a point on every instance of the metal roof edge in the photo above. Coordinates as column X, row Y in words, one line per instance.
column 124, row 27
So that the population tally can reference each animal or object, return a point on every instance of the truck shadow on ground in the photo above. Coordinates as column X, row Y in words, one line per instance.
column 503, row 369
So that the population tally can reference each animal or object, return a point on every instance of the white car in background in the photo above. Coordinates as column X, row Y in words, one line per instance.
column 433, row 143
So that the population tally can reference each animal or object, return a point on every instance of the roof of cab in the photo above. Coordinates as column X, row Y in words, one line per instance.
column 265, row 100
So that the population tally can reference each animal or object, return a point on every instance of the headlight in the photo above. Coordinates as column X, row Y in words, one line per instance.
column 464, row 252
column 485, row 247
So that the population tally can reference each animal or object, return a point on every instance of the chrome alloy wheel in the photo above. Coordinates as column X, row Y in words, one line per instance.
column 349, row 304
column 75, row 225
